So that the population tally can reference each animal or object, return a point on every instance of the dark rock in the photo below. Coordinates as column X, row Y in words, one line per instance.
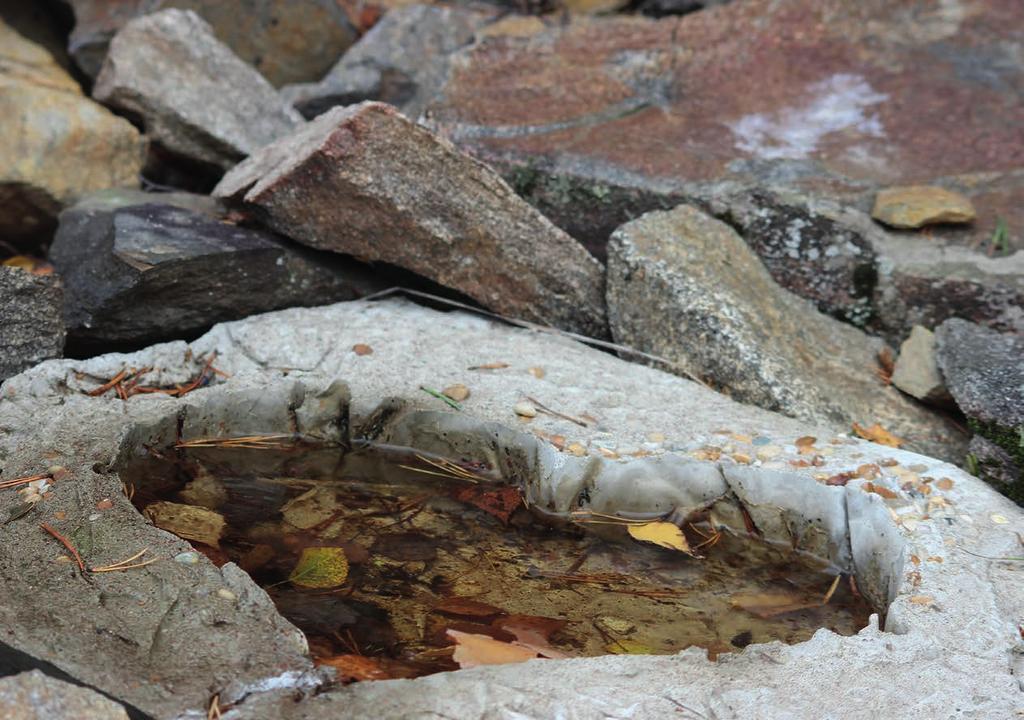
column 286, row 40
column 365, row 181
column 194, row 95
column 141, row 267
column 984, row 371
column 35, row 696
column 402, row 60
column 812, row 96
column 661, row 8
column 686, row 287
column 31, row 319
column 56, row 144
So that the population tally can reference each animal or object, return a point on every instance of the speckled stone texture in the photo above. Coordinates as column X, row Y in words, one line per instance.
column 35, row 696
column 31, row 319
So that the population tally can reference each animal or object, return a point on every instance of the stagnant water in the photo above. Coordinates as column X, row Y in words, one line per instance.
column 376, row 555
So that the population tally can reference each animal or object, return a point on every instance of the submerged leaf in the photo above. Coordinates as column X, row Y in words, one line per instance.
column 188, row 521
column 467, row 607
column 769, row 604
column 353, row 668
column 877, row 434
column 663, row 534
column 472, row 650
column 321, row 568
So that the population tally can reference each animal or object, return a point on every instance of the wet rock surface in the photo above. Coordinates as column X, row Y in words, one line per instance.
column 34, row 696
column 139, row 267
column 283, row 367
column 57, row 144
column 685, row 286
column 286, row 40
column 402, row 61
column 31, row 319
column 195, row 96
column 366, row 181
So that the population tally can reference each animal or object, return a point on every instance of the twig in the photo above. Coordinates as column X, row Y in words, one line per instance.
column 66, row 543
column 125, row 564
column 213, row 712
column 15, row 482
column 248, row 442
column 96, row 392
column 831, row 590
column 442, row 397
column 545, row 409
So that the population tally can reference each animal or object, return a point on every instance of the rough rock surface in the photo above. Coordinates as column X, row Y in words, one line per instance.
column 915, row 206
column 917, row 372
column 196, row 97
column 984, row 371
column 35, row 696
column 402, row 60
column 138, row 267
column 686, row 287
column 286, row 40
column 56, row 145
column 31, row 319
column 365, row 181
column 960, row 613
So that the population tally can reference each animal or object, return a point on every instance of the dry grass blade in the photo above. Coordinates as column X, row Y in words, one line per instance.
column 586, row 517
column 126, row 564
column 831, row 590
column 554, row 413
column 247, row 442
column 66, row 543
column 213, row 712
column 446, row 468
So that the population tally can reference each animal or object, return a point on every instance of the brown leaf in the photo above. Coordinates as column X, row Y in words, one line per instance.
column 530, row 629
column 769, row 604
column 188, row 521
column 879, row 490
column 473, row 650
column 805, row 441
column 362, row 349
column 467, row 607
column 944, row 484
column 500, row 502
column 840, row 479
column 354, row 668
column 869, row 471
column 877, row 434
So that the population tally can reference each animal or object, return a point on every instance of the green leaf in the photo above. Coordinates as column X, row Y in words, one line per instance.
column 321, row 568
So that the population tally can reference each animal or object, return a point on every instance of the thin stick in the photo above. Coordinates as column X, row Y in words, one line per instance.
column 66, row 543
column 831, row 590
column 136, row 556
column 15, row 482
column 96, row 392
column 545, row 409
column 442, row 397
column 123, row 567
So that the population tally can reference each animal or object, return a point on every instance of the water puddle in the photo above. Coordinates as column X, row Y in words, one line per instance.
column 385, row 558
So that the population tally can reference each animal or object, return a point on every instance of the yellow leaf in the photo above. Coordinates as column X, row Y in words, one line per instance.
column 663, row 534
column 877, row 434
column 629, row 647
column 320, row 567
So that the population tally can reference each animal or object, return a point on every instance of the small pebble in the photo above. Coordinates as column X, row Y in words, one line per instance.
column 362, row 349
column 226, row 594
column 761, row 440
column 525, row 409
column 187, row 558
column 537, row 372
column 577, row 449
column 94, row 517
column 656, row 437
column 458, row 393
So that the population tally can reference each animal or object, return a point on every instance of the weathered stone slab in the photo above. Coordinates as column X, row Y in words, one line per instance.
column 961, row 612
column 365, row 181
column 140, row 267
column 984, row 371
column 31, row 319
column 56, row 144
column 915, row 206
column 196, row 97
column 402, row 60
column 684, row 286
column 286, row 40
column 35, row 696
column 917, row 372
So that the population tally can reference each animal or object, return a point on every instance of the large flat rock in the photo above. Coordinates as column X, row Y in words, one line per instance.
column 685, row 286
column 603, row 119
column 35, row 696
column 365, row 181
column 165, row 638
column 194, row 95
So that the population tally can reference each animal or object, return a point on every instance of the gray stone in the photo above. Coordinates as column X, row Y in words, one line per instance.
column 35, row 696
column 685, row 286
column 286, row 40
column 984, row 371
column 917, row 372
column 402, row 60
column 195, row 96
column 365, row 181
column 960, row 613
column 140, row 267
column 56, row 145
column 31, row 319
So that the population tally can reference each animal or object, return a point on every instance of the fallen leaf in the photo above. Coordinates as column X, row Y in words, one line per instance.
column 877, row 434
column 629, row 647
column 576, row 449
column 105, row 504
column 472, row 650
column 354, row 668
column 36, row 266
column 769, row 604
column 879, row 490
column 805, row 441
column 467, row 607
column 944, row 484
column 311, row 508
column 840, row 479
column 188, row 521
column 530, row 629
column 456, row 392
column 500, row 502
column 320, row 568
column 921, row 599
column 660, row 533
column 869, row 471
column 362, row 349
